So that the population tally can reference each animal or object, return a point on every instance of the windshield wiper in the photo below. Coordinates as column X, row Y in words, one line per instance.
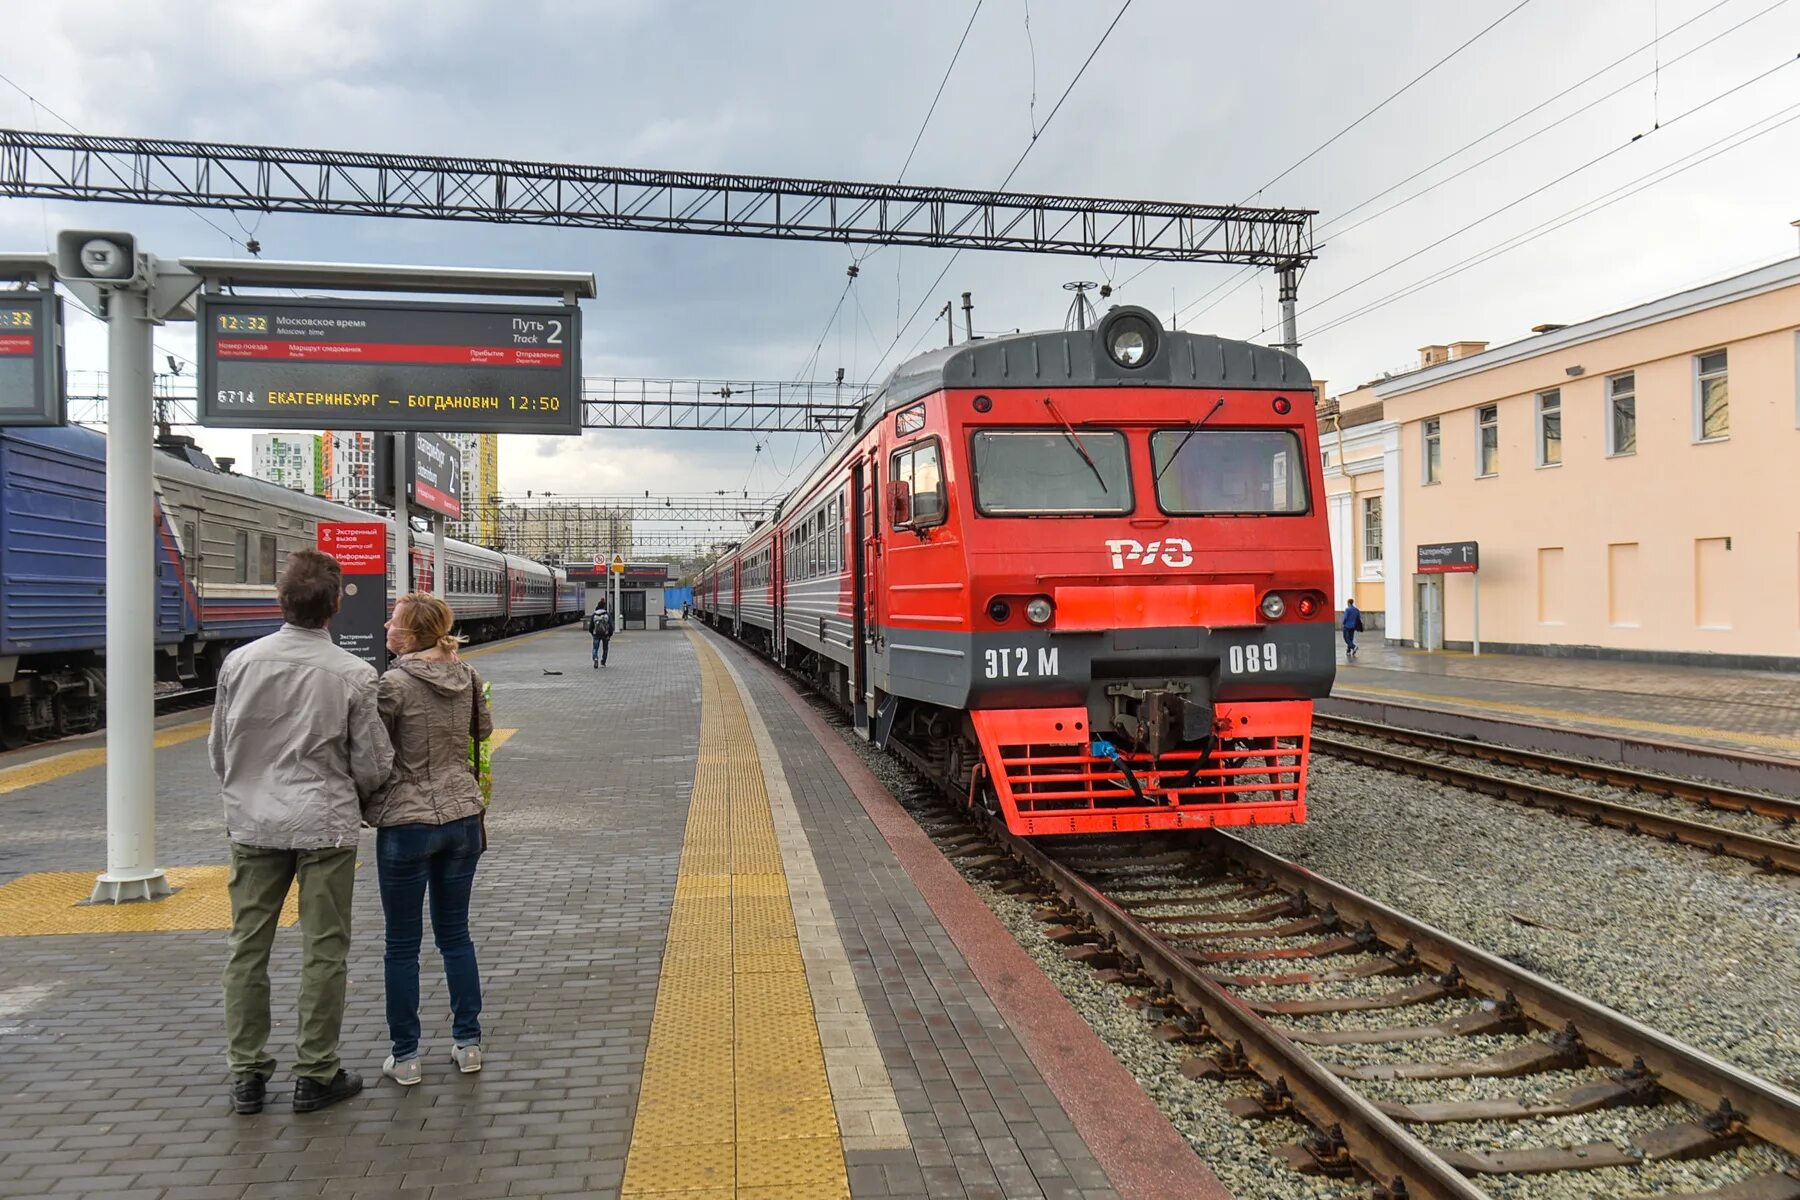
column 1075, row 441
column 1192, row 430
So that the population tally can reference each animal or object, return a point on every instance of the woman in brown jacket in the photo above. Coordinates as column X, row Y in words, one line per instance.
column 428, row 827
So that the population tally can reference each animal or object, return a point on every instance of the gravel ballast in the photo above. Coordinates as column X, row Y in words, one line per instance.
column 1688, row 932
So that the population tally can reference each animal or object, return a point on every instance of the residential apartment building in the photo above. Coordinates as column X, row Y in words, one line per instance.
column 349, row 461
column 1630, row 481
column 289, row 460
column 566, row 531
column 480, row 521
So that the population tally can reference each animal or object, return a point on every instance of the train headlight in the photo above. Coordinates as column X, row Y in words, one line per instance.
column 1273, row 606
column 1039, row 610
column 998, row 610
column 1130, row 340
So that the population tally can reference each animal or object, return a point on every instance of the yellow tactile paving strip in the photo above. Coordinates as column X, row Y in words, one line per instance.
column 868, row 1114
column 54, row 902
column 56, row 766
column 735, row 1101
column 1569, row 716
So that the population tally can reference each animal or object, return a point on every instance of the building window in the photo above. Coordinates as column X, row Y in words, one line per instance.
column 1712, row 404
column 1549, row 429
column 1371, row 534
column 1621, row 414
column 1434, row 450
column 1487, row 439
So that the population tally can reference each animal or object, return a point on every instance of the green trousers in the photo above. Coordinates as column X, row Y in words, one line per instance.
column 260, row 879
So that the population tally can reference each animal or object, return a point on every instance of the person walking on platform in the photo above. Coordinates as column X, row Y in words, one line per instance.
column 600, row 625
column 297, row 742
column 430, row 831
column 1353, row 625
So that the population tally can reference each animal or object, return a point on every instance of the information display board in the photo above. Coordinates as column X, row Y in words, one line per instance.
column 31, row 370
column 389, row 364
column 361, row 550
column 1449, row 558
column 433, row 472
column 434, row 476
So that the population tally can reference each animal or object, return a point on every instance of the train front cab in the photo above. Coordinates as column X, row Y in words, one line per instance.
column 1146, row 619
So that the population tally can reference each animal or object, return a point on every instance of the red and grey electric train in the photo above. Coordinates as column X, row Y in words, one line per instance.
column 1081, row 578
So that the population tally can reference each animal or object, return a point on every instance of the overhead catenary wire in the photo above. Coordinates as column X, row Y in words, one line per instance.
column 1393, row 96
column 926, row 296
column 202, row 217
column 1541, row 188
column 1236, row 281
column 1383, row 103
column 1601, row 99
column 1585, row 209
column 858, row 258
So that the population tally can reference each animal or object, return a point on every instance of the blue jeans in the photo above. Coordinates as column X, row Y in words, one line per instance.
column 436, row 860
column 601, row 646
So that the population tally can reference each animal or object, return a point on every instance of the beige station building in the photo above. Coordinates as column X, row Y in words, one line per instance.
column 1632, row 481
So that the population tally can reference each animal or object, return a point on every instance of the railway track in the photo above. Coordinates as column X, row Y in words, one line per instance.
column 1199, row 924
column 1195, row 924
column 1768, row 853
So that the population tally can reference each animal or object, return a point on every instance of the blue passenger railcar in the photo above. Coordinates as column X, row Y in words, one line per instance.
column 53, row 577
column 220, row 541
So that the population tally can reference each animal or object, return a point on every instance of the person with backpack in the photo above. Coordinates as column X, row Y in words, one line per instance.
column 430, row 830
column 1353, row 625
column 600, row 626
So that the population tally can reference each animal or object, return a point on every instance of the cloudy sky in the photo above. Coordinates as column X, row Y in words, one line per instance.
column 1186, row 101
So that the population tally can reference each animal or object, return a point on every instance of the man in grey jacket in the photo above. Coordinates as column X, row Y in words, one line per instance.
column 297, row 742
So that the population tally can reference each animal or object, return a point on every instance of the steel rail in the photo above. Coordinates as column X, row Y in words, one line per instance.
column 1706, row 795
column 1770, row 1113
column 1768, row 853
column 1380, row 1144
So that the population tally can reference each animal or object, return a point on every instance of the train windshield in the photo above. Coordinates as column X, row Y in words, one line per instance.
column 1037, row 472
column 1229, row 472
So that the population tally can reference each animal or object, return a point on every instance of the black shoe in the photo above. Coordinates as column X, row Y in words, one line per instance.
column 310, row 1095
column 247, row 1093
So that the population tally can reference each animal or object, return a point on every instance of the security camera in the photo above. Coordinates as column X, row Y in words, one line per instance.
column 87, row 256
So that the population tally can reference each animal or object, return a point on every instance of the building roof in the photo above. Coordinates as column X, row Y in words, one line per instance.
column 1773, row 277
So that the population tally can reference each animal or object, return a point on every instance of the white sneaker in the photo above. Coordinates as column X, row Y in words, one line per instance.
column 468, row 1058
column 406, row 1074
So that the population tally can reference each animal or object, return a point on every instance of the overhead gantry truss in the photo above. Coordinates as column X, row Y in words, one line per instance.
column 722, row 405
column 275, row 179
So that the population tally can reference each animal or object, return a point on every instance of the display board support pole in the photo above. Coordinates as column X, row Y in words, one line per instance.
column 402, row 523
column 131, row 870
column 1475, row 642
column 438, row 571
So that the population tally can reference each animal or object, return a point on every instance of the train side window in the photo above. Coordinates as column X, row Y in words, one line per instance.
column 921, row 467
column 265, row 553
column 241, row 569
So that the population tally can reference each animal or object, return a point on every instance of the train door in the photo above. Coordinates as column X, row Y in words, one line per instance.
column 859, row 619
column 1428, row 613
column 777, row 575
column 868, row 543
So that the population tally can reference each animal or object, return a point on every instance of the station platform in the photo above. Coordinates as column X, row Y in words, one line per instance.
column 718, row 961
column 1755, row 712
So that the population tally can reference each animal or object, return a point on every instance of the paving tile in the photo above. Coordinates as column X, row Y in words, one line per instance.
column 570, row 920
